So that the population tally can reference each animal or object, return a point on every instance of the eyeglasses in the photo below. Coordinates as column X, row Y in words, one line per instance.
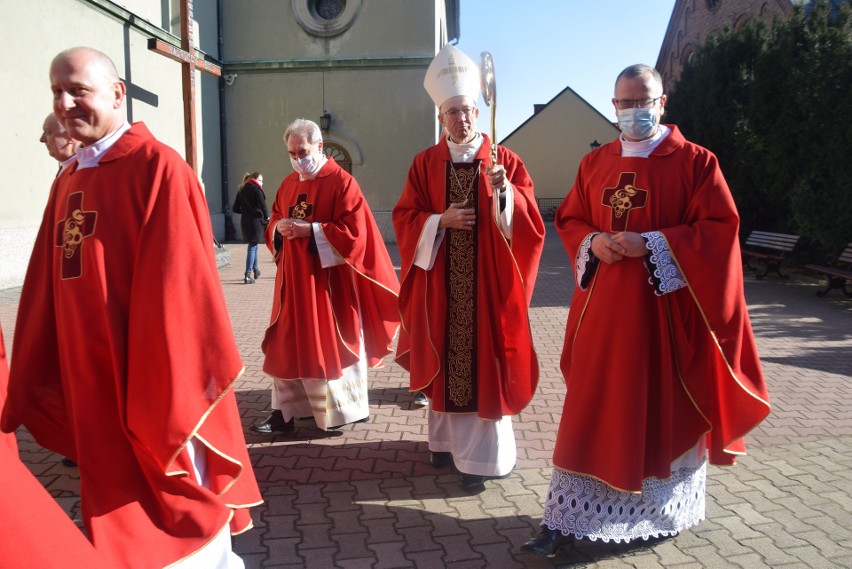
column 633, row 103
column 456, row 113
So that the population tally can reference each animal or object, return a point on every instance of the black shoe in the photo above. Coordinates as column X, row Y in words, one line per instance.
column 548, row 542
column 440, row 459
column 473, row 483
column 275, row 423
column 420, row 399
column 256, row 273
column 248, row 279
column 68, row 462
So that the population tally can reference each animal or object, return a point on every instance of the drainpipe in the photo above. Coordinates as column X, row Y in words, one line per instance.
column 230, row 230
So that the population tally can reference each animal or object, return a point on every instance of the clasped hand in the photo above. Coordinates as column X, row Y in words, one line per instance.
column 613, row 247
column 293, row 228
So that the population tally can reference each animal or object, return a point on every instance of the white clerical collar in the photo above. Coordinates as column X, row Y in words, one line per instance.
column 644, row 148
column 464, row 152
column 320, row 163
column 90, row 156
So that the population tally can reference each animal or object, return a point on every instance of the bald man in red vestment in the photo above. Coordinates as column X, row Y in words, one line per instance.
column 124, row 357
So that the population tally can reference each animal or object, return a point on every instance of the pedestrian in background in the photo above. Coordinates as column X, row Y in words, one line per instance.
column 250, row 203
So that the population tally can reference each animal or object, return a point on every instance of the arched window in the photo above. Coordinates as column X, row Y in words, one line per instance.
column 340, row 155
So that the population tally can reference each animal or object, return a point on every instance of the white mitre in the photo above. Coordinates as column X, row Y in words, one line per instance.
column 451, row 73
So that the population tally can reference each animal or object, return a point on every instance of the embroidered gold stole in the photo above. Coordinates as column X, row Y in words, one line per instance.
column 461, row 286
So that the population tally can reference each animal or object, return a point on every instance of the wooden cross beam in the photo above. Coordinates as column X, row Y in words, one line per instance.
column 186, row 55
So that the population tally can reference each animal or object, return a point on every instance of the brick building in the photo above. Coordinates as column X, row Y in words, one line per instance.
column 693, row 21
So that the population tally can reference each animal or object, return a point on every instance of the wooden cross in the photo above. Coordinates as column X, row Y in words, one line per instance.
column 186, row 55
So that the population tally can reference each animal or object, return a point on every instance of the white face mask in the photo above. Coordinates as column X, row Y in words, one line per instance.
column 306, row 166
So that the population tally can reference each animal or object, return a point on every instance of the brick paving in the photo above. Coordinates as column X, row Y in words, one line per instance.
column 365, row 497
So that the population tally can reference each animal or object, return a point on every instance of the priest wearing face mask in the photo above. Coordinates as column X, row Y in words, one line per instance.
column 470, row 238
column 334, row 310
column 661, row 369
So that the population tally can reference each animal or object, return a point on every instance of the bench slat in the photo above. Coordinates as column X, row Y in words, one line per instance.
column 846, row 255
column 837, row 276
column 770, row 247
column 779, row 241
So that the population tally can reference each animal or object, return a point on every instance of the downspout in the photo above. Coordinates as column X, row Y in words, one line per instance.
column 230, row 230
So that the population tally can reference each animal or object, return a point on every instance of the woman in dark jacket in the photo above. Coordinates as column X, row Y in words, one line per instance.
column 251, row 205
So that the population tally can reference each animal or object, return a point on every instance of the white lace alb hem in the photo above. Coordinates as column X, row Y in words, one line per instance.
column 587, row 508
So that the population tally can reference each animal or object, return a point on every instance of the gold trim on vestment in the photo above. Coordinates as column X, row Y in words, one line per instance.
column 194, row 433
column 718, row 349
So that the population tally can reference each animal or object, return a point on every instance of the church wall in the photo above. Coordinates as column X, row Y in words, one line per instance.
column 552, row 156
column 382, row 123
column 382, row 28
column 369, row 78
column 156, row 99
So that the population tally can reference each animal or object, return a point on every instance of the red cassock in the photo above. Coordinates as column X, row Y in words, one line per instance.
column 647, row 376
column 36, row 532
column 124, row 350
column 505, row 359
column 318, row 313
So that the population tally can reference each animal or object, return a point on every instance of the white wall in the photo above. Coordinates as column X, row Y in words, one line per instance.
column 40, row 30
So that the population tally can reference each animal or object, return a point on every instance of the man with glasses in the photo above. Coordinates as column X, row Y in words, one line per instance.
column 470, row 238
column 334, row 309
column 660, row 363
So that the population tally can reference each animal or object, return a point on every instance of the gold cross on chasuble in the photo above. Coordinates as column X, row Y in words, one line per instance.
column 70, row 234
column 302, row 209
column 622, row 198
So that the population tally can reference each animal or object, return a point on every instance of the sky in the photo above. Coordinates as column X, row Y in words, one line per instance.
column 541, row 47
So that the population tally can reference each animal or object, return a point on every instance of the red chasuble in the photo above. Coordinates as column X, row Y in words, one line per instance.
column 35, row 533
column 318, row 314
column 7, row 440
column 504, row 367
column 647, row 376
column 124, row 350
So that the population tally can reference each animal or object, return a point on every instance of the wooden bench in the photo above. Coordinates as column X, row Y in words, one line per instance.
column 771, row 248
column 837, row 276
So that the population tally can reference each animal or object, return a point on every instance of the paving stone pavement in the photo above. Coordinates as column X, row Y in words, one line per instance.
column 364, row 496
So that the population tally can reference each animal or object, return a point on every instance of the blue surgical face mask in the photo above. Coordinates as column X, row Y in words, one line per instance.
column 637, row 123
